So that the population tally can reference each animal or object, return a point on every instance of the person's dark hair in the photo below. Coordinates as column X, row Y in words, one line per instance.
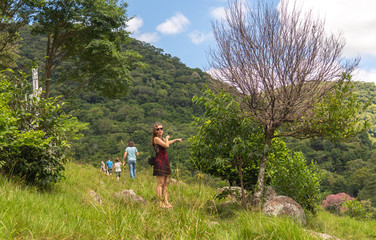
column 117, row 159
column 154, row 133
column 130, row 144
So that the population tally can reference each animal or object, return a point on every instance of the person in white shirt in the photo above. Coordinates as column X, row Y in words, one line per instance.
column 117, row 168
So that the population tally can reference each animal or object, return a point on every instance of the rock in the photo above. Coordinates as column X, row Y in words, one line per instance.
column 174, row 181
column 285, row 206
column 226, row 204
column 212, row 223
column 233, row 192
column 95, row 197
column 323, row 236
column 269, row 193
column 130, row 195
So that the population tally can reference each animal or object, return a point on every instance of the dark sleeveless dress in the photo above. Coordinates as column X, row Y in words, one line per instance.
column 162, row 162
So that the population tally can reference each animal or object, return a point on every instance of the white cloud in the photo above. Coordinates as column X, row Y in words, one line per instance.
column 218, row 13
column 355, row 19
column 148, row 37
column 198, row 37
column 174, row 25
column 366, row 75
column 134, row 25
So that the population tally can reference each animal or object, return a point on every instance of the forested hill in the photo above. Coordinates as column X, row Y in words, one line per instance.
column 162, row 91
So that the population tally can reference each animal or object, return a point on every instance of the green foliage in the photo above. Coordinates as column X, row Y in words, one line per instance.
column 368, row 192
column 356, row 209
column 224, row 137
column 154, row 95
column 34, row 133
column 366, row 91
column 14, row 14
column 226, row 142
column 337, row 116
column 89, row 36
column 291, row 176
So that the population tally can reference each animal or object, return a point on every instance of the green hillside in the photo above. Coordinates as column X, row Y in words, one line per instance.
column 163, row 91
column 68, row 211
column 348, row 166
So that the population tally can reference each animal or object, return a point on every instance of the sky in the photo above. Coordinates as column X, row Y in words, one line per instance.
column 183, row 28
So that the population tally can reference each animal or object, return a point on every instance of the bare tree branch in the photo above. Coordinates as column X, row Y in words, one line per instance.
column 279, row 60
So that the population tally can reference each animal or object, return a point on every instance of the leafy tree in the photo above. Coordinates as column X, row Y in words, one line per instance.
column 284, row 67
column 13, row 14
column 90, row 34
column 229, row 146
column 333, row 183
column 226, row 145
column 34, row 133
column 369, row 190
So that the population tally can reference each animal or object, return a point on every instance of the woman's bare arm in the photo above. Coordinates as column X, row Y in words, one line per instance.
column 175, row 140
column 160, row 142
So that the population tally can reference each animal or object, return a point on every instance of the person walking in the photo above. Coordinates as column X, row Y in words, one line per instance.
column 162, row 163
column 109, row 164
column 117, row 168
column 103, row 167
column 131, row 154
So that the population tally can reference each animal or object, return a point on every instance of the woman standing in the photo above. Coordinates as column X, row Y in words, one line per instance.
column 131, row 153
column 162, row 163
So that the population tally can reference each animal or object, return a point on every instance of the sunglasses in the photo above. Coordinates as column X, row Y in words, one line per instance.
column 157, row 129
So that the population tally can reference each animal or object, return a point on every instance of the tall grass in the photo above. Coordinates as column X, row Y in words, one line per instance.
column 67, row 211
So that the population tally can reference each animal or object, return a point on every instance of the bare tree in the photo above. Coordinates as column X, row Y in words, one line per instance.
column 282, row 62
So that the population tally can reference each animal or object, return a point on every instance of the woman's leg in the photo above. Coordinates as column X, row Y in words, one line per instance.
column 134, row 169
column 160, row 180
column 164, row 191
column 130, row 169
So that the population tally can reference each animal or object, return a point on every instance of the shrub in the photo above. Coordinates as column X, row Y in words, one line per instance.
column 34, row 132
column 334, row 202
column 356, row 209
column 291, row 176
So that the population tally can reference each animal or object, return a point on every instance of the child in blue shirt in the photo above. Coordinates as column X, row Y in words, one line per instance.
column 109, row 164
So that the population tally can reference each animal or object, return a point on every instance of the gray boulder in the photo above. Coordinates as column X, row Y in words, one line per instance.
column 284, row 206
column 233, row 192
column 130, row 195
column 95, row 197
column 269, row 193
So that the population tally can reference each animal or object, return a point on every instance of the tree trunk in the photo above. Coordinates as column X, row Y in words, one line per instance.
column 48, row 74
column 259, row 190
column 240, row 172
column 50, row 52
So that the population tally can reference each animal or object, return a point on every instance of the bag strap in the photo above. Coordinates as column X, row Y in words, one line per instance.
column 152, row 151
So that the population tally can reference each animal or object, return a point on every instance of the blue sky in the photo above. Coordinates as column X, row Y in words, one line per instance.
column 183, row 28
